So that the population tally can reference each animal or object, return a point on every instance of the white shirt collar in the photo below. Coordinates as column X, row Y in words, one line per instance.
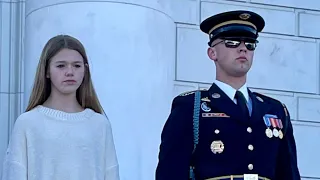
column 230, row 91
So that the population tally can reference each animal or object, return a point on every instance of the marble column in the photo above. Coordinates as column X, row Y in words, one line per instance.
column 11, row 33
column 131, row 49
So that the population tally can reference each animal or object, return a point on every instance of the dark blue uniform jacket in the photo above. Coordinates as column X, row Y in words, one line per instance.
column 228, row 144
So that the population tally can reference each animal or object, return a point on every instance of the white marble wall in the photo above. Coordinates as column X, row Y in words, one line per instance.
column 137, row 72
column 286, row 63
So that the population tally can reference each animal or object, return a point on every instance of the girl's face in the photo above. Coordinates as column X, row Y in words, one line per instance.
column 66, row 71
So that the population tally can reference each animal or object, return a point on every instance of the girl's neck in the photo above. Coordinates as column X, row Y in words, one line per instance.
column 63, row 102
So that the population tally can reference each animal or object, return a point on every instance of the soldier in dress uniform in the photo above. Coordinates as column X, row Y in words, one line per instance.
column 228, row 132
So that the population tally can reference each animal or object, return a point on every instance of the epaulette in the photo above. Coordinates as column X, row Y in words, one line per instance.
column 285, row 109
column 187, row 93
column 190, row 92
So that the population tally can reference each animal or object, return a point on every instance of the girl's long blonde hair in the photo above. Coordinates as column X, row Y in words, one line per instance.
column 86, row 94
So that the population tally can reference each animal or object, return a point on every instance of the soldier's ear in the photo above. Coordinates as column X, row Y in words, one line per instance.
column 212, row 53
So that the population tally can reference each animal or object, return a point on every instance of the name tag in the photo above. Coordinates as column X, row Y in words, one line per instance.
column 250, row 176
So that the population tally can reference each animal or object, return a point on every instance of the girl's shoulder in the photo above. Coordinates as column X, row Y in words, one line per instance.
column 28, row 115
column 26, row 119
column 101, row 119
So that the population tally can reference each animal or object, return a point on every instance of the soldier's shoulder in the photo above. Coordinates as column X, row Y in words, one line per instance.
column 268, row 99
column 188, row 97
column 187, row 93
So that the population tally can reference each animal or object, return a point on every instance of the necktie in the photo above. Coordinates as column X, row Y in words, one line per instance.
column 241, row 102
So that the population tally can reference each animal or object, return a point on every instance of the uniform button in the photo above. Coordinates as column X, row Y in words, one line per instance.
column 250, row 147
column 249, row 129
column 250, row 166
column 217, row 131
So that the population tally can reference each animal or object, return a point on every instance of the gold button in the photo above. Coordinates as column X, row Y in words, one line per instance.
column 217, row 131
column 250, row 147
column 250, row 166
column 249, row 129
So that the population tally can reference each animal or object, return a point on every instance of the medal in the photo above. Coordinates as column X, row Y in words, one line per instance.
column 280, row 134
column 280, row 126
column 268, row 124
column 275, row 125
column 275, row 132
column 269, row 133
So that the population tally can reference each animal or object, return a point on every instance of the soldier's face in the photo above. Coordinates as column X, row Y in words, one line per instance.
column 232, row 57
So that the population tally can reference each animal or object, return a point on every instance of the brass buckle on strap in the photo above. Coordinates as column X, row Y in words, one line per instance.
column 250, row 177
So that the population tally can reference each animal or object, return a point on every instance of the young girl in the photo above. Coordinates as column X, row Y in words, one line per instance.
column 63, row 135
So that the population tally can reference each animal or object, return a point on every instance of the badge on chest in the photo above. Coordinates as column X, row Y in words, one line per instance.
column 205, row 107
column 217, row 147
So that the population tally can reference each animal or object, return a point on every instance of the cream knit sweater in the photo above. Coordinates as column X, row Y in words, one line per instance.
column 48, row 144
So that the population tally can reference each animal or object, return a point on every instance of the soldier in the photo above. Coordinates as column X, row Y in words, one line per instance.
column 228, row 131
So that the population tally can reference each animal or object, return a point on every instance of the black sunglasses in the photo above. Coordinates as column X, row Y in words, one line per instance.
column 229, row 43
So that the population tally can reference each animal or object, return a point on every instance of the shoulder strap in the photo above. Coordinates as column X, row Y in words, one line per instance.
column 196, row 113
column 287, row 118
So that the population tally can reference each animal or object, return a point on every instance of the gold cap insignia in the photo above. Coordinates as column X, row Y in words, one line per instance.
column 244, row 16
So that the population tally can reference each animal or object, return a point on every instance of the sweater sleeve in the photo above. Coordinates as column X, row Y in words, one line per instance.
column 15, row 161
column 112, row 167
